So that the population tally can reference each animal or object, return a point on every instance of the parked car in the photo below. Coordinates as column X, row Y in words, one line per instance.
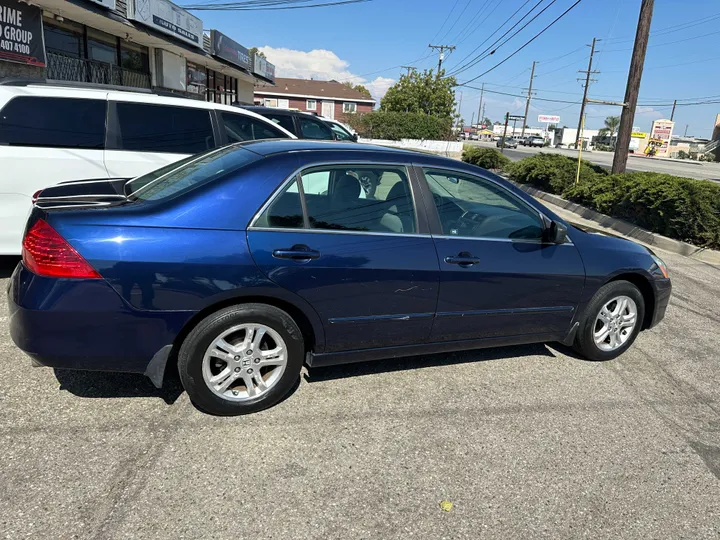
column 342, row 131
column 509, row 143
column 69, row 131
column 522, row 141
column 243, row 263
column 535, row 141
column 301, row 124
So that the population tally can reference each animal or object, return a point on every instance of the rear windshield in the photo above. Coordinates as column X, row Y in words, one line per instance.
column 189, row 173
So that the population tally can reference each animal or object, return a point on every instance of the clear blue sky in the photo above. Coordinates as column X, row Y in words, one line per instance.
column 373, row 37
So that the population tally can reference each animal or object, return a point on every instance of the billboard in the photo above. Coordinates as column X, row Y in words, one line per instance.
column 263, row 68
column 21, row 33
column 547, row 119
column 229, row 49
column 168, row 18
column 662, row 130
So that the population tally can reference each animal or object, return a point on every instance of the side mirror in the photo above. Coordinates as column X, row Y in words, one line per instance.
column 557, row 233
column 355, row 137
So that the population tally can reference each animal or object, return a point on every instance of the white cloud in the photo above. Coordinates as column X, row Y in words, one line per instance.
column 649, row 112
column 321, row 64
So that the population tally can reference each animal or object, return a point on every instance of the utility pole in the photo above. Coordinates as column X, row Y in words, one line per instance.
column 441, row 57
column 502, row 141
column 633, row 87
column 672, row 114
column 472, row 119
column 686, row 128
column 480, row 105
column 527, row 103
column 459, row 108
column 409, row 69
column 578, row 140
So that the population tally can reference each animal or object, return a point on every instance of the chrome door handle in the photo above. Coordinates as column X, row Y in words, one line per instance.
column 296, row 253
column 464, row 259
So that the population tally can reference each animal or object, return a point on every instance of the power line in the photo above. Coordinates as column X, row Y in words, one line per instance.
column 267, row 5
column 475, row 27
column 456, row 21
column 527, row 42
column 459, row 69
column 445, row 21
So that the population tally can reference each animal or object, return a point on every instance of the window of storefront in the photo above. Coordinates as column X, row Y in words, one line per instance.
column 134, row 57
column 66, row 40
column 102, row 47
column 221, row 88
column 78, row 53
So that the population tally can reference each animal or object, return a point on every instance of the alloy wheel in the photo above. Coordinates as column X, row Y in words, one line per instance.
column 244, row 362
column 615, row 323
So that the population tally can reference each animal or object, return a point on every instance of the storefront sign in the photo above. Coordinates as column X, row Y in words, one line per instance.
column 110, row 4
column 547, row 119
column 263, row 68
column 196, row 78
column 638, row 135
column 662, row 130
column 229, row 49
column 168, row 18
column 21, row 33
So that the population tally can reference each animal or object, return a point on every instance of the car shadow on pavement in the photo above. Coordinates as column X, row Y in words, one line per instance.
column 100, row 384
column 7, row 265
column 318, row 374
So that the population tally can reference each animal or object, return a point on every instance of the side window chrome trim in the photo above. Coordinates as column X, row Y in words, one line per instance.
column 336, row 231
column 297, row 174
column 510, row 240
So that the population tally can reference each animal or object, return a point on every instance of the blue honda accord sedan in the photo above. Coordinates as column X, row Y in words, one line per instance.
column 238, row 265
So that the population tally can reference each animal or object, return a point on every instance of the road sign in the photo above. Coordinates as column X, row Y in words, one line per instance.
column 547, row 119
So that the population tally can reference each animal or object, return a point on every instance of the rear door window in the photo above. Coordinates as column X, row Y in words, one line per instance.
column 284, row 120
column 239, row 128
column 313, row 129
column 162, row 128
column 53, row 122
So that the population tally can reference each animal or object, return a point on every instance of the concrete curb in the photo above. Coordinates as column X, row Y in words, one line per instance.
column 669, row 160
column 625, row 228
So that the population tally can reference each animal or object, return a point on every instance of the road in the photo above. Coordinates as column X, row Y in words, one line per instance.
column 526, row 442
column 686, row 168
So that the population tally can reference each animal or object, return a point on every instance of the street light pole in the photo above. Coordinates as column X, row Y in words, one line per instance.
column 622, row 145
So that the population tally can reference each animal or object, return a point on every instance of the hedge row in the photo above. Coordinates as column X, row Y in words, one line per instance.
column 398, row 125
column 487, row 158
column 680, row 208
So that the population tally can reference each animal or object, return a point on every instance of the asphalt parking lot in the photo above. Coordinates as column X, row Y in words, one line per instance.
column 526, row 442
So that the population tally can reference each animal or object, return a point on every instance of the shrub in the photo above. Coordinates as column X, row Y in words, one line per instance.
column 680, row 208
column 487, row 158
column 552, row 172
column 398, row 125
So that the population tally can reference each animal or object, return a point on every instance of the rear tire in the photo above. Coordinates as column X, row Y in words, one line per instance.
column 241, row 359
column 611, row 322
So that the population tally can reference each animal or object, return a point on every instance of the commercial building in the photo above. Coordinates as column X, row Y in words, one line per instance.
column 132, row 43
column 330, row 99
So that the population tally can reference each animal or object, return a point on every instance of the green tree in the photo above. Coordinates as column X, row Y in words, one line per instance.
column 488, row 123
column 612, row 123
column 255, row 51
column 358, row 88
column 423, row 92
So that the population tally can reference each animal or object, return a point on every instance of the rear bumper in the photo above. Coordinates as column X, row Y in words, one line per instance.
column 84, row 324
column 663, row 290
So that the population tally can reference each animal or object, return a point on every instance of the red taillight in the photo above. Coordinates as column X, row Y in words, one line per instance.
column 36, row 196
column 46, row 253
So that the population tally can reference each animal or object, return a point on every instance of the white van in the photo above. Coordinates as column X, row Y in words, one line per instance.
column 53, row 132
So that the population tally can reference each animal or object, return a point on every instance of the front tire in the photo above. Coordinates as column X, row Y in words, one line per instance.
column 241, row 359
column 612, row 321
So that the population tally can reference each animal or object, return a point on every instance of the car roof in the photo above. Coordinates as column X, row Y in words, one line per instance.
column 268, row 147
column 260, row 109
column 46, row 90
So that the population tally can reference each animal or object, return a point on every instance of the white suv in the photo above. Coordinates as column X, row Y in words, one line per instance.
column 50, row 133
